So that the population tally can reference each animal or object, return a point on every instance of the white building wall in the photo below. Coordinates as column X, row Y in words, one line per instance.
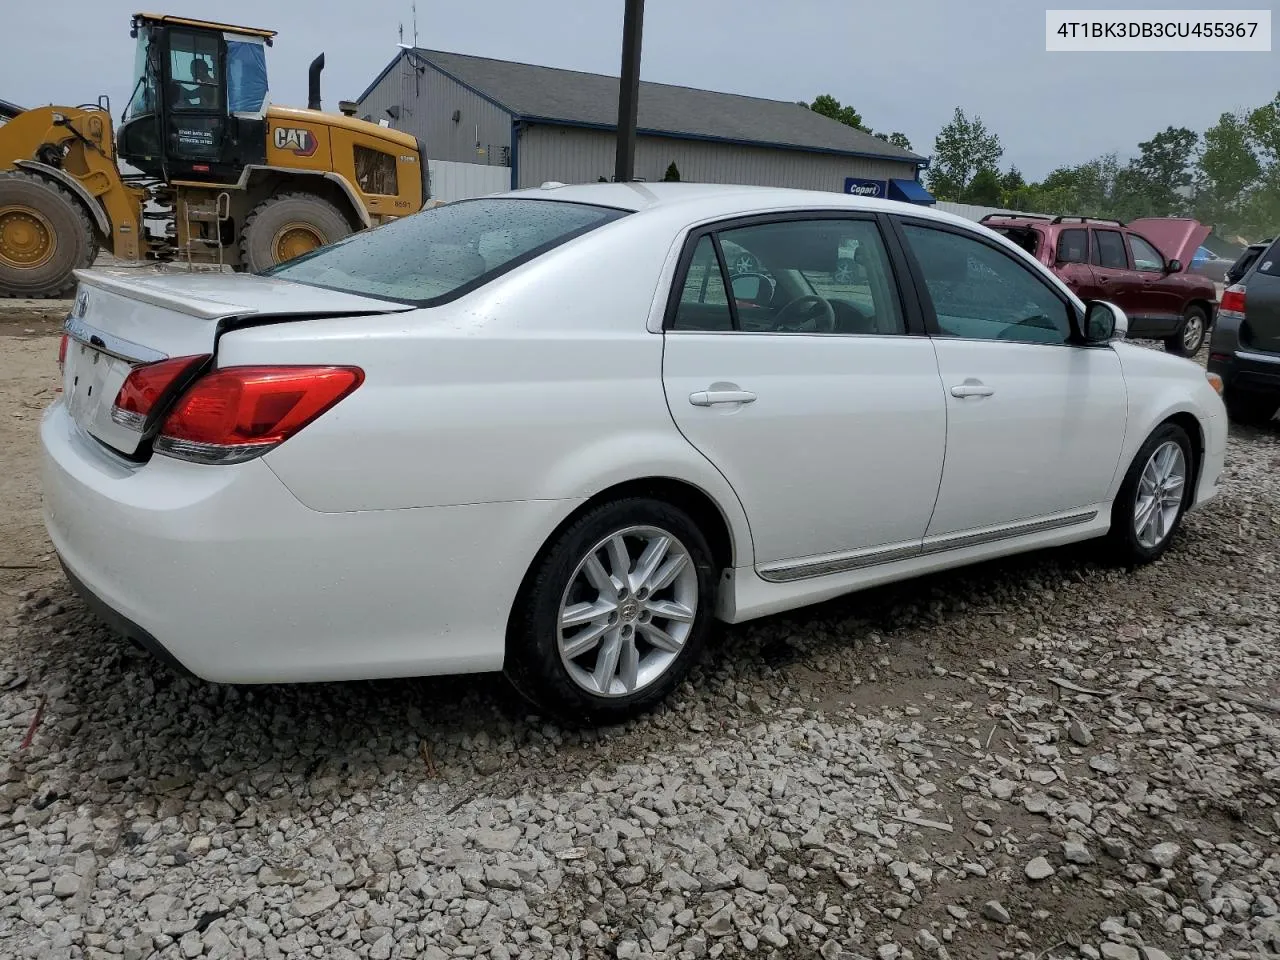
column 574, row 155
column 458, row 181
column 426, row 101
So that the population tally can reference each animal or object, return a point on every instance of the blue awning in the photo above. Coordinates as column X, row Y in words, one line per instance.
column 912, row 191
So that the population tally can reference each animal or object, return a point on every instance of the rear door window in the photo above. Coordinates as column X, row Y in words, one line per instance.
column 1269, row 261
column 1108, row 250
column 1145, row 257
column 1073, row 246
column 439, row 254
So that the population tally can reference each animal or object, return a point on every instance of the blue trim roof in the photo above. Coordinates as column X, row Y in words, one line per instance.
column 912, row 191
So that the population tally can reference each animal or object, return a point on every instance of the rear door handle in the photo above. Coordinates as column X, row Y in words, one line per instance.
column 707, row 398
column 971, row 389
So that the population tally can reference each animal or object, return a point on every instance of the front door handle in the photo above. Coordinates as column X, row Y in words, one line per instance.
column 707, row 398
column 971, row 388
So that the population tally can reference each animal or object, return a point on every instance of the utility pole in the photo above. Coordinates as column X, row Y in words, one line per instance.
column 628, row 92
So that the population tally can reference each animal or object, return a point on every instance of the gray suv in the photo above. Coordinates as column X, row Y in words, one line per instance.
column 1245, row 349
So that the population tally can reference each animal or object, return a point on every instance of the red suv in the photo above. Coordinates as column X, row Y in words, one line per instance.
column 1141, row 267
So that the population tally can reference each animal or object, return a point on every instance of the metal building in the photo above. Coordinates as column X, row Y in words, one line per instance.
column 542, row 123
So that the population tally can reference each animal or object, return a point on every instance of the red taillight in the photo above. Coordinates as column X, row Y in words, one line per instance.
column 238, row 413
column 62, row 351
column 1232, row 299
column 147, row 384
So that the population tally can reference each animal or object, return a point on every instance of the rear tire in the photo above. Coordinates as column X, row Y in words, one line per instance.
column 1250, row 409
column 1191, row 333
column 1157, row 488
column 45, row 235
column 288, row 225
column 605, row 666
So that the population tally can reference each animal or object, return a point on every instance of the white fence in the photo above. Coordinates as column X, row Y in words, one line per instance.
column 971, row 211
column 459, row 181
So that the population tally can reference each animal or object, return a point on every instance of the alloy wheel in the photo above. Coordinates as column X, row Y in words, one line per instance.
column 1160, row 493
column 627, row 612
column 1193, row 332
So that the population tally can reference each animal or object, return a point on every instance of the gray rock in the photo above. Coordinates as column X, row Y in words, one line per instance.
column 1076, row 852
column 1162, row 854
column 492, row 841
column 1153, row 953
column 1079, row 733
column 926, row 941
column 1119, row 951
column 719, row 924
column 628, row 950
column 67, row 885
column 1105, row 763
column 1039, row 869
column 757, row 881
column 995, row 910
column 309, row 904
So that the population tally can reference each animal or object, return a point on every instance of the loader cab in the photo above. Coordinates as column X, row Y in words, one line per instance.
column 198, row 106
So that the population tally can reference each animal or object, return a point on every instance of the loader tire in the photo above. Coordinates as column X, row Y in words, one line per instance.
column 288, row 225
column 45, row 235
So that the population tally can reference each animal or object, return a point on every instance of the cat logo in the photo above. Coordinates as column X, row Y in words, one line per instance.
column 300, row 141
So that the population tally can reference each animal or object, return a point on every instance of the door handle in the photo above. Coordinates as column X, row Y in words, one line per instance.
column 972, row 389
column 707, row 398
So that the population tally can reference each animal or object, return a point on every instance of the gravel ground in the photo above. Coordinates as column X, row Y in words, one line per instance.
column 1037, row 758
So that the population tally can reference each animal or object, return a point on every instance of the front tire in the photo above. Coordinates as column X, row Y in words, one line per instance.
column 612, row 615
column 287, row 226
column 45, row 235
column 1153, row 497
column 1191, row 333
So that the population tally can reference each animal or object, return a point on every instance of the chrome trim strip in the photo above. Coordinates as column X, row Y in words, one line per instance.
column 791, row 570
column 1257, row 357
column 788, row 570
column 110, row 344
column 958, row 541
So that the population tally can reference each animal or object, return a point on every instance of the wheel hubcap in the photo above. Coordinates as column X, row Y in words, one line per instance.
column 1160, row 490
column 27, row 239
column 295, row 239
column 1192, row 331
column 628, row 611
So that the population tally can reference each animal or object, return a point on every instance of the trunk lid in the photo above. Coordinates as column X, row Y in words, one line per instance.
column 119, row 322
column 1177, row 238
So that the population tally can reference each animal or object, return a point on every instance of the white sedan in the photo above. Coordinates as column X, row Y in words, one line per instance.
column 546, row 433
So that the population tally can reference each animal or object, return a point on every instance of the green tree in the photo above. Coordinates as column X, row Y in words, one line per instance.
column 899, row 140
column 984, row 188
column 1264, row 131
column 829, row 106
column 962, row 148
column 672, row 175
column 1228, row 164
column 1154, row 180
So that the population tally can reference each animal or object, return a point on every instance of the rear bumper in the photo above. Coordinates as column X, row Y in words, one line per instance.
column 1248, row 370
column 221, row 570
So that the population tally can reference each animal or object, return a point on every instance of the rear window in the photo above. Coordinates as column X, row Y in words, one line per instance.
column 1269, row 261
column 442, row 253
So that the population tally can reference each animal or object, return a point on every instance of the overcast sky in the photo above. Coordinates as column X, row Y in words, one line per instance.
column 905, row 65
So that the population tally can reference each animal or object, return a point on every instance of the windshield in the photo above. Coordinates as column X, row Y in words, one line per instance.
column 142, row 100
column 444, row 252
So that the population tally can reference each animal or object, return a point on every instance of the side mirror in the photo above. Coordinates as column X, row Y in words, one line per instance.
column 746, row 287
column 1173, row 266
column 1104, row 322
column 754, row 287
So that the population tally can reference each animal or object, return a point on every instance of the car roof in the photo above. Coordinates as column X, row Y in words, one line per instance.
column 698, row 200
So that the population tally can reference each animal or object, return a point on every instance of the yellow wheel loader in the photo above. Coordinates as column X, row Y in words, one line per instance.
column 219, row 175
